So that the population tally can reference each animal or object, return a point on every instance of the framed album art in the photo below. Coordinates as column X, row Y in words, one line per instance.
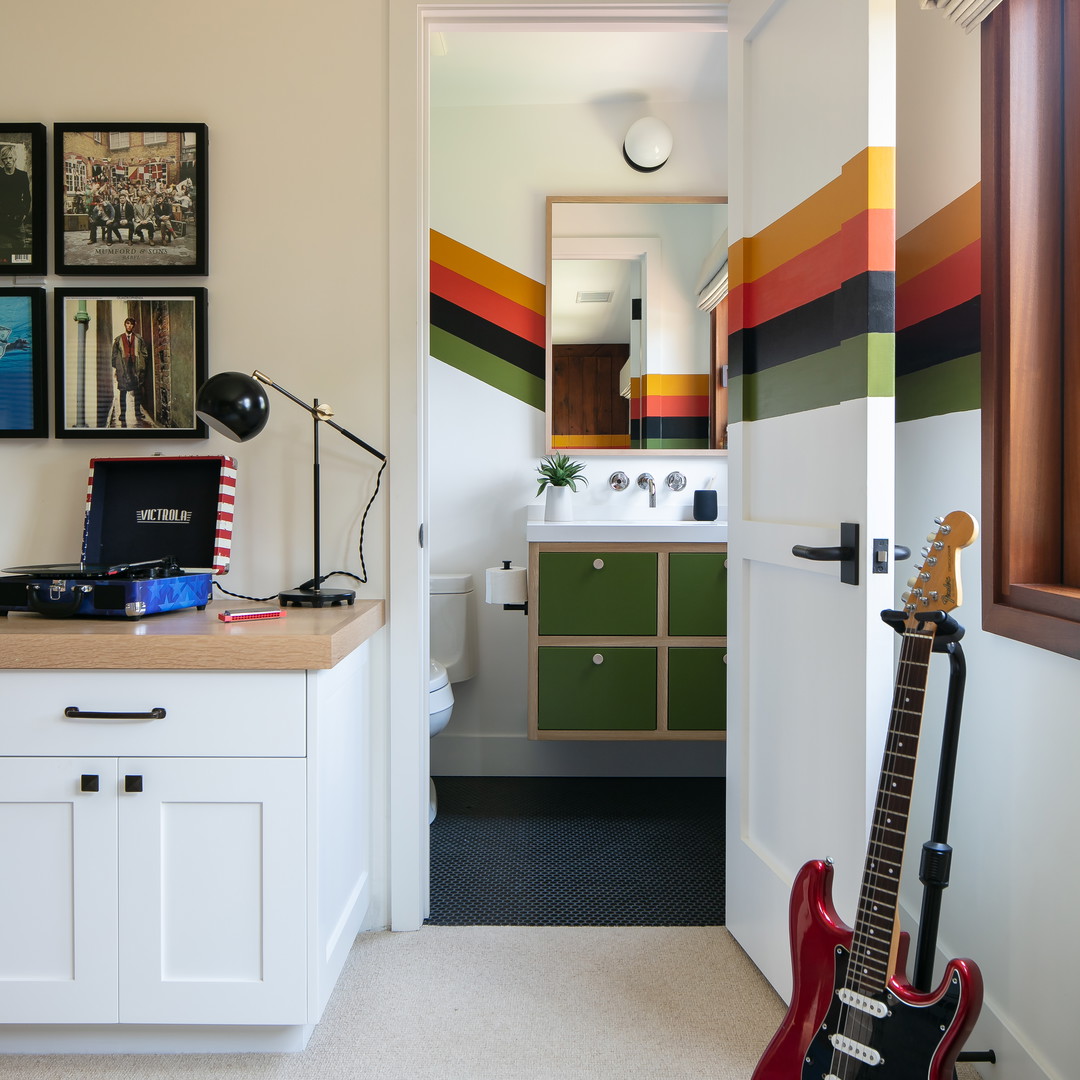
column 22, row 199
column 129, row 364
column 23, row 372
column 130, row 199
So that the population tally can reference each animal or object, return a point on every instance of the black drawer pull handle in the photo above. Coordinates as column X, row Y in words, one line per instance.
column 90, row 782
column 73, row 712
column 133, row 783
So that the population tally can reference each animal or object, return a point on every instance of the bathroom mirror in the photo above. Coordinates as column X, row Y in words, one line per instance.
column 637, row 324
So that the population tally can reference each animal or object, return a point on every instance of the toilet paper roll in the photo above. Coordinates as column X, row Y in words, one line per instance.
column 507, row 586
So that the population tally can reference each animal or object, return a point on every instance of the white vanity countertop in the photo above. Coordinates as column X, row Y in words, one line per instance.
column 627, row 532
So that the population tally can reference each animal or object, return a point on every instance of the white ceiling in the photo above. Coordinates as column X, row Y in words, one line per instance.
column 475, row 68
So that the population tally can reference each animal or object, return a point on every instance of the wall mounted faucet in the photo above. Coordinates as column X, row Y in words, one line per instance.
column 646, row 482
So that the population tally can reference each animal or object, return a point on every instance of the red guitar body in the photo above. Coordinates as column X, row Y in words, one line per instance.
column 920, row 1037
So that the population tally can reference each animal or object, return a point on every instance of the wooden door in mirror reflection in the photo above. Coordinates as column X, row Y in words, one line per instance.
column 587, row 401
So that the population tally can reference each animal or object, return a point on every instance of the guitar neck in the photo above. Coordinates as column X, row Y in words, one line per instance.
column 876, row 932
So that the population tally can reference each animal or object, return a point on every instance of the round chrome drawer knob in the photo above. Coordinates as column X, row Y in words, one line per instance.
column 598, row 658
column 598, row 564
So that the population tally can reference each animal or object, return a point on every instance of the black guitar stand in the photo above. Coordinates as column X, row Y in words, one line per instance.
column 936, row 852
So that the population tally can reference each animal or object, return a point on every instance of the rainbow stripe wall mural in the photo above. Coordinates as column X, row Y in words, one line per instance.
column 812, row 298
column 938, row 285
column 487, row 320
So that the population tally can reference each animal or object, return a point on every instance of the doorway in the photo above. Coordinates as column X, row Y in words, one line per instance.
column 412, row 33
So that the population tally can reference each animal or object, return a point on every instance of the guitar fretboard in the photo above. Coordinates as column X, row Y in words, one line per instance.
column 875, row 922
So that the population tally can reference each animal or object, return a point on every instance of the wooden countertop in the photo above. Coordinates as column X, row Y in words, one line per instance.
column 305, row 638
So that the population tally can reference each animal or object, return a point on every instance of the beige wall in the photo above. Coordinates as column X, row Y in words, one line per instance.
column 295, row 100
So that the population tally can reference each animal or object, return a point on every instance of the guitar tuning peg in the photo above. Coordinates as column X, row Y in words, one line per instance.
column 911, row 582
column 939, row 521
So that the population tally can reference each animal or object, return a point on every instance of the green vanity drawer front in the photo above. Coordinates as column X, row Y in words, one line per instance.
column 697, row 594
column 578, row 692
column 697, row 690
column 585, row 593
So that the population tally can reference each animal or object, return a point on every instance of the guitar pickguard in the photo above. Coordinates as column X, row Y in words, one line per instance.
column 908, row 1040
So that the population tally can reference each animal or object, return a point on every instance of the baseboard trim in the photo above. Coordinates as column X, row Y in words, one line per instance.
column 467, row 754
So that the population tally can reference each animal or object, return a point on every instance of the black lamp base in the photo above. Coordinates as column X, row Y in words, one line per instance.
column 316, row 597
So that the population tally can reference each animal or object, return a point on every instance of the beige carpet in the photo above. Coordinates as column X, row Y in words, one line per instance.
column 506, row 1003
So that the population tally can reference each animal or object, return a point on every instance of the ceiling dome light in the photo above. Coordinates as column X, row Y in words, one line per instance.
column 647, row 145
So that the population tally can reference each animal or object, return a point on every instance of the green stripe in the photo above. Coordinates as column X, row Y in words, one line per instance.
column 678, row 444
column 952, row 386
column 488, row 368
column 859, row 367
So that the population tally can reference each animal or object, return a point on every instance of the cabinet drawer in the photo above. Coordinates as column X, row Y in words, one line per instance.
column 598, row 593
column 697, row 594
column 598, row 688
column 697, row 690
column 219, row 714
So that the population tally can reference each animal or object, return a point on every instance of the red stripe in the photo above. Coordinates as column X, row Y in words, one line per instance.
column 488, row 304
column 864, row 242
column 677, row 405
column 952, row 281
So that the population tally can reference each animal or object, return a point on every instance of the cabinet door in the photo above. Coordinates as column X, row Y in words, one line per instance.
column 212, row 891
column 588, row 593
column 697, row 690
column 697, row 594
column 57, row 891
column 596, row 688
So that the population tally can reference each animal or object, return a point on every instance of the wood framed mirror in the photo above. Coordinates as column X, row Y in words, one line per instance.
column 636, row 324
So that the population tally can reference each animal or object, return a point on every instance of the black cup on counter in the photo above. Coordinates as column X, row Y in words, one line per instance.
column 705, row 505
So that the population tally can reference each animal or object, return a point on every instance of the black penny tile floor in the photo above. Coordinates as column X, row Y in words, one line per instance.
column 532, row 851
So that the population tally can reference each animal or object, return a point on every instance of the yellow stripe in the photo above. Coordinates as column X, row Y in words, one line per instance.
column 676, row 385
column 866, row 182
column 950, row 230
column 590, row 442
column 488, row 273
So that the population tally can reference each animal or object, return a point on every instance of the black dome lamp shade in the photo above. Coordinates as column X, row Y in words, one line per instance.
column 234, row 405
column 237, row 406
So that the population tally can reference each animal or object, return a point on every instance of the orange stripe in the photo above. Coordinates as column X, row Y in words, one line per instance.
column 954, row 280
column 864, row 242
column 488, row 305
column 951, row 229
column 591, row 442
column 866, row 181
column 487, row 272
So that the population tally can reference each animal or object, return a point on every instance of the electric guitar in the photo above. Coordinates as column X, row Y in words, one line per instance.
column 854, row 1015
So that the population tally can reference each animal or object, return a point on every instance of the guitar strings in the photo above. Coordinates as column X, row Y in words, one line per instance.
column 854, row 1023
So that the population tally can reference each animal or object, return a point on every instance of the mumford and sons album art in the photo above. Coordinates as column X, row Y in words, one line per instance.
column 130, row 200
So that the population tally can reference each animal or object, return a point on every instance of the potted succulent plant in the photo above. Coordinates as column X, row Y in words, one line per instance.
column 559, row 476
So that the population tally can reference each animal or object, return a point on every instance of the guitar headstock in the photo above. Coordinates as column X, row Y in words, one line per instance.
column 936, row 584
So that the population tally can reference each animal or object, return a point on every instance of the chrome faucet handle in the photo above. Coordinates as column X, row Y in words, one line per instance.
column 676, row 481
column 619, row 481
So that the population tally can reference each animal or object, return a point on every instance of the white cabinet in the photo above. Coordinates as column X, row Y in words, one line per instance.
column 170, row 894
column 185, row 855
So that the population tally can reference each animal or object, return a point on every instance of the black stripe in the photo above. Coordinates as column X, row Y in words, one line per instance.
column 946, row 336
column 863, row 304
column 675, row 427
column 487, row 336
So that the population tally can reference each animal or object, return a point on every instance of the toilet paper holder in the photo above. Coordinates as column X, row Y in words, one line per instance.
column 494, row 590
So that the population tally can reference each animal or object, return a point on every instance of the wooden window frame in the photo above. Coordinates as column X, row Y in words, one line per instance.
column 1031, row 325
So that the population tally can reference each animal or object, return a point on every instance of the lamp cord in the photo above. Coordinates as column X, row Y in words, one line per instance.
column 362, row 577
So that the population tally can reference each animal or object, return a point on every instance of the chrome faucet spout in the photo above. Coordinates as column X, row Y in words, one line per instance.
column 646, row 482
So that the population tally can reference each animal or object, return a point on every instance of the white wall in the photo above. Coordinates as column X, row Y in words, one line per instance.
column 491, row 172
column 297, row 247
column 1010, row 905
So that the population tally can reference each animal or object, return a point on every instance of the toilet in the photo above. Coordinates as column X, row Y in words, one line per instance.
column 453, row 650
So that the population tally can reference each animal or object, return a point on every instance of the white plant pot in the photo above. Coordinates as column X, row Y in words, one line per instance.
column 557, row 505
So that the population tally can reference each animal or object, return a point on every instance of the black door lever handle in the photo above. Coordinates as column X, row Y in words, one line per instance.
column 846, row 553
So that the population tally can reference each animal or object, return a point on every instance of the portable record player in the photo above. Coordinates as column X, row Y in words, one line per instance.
column 156, row 531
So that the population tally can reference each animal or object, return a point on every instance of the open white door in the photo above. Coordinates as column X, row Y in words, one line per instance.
column 812, row 97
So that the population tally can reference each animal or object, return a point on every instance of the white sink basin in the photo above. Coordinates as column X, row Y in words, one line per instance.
column 627, row 532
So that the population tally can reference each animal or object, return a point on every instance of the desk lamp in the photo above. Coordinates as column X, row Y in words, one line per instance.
column 235, row 405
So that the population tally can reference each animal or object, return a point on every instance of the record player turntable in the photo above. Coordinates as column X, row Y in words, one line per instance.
column 156, row 531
